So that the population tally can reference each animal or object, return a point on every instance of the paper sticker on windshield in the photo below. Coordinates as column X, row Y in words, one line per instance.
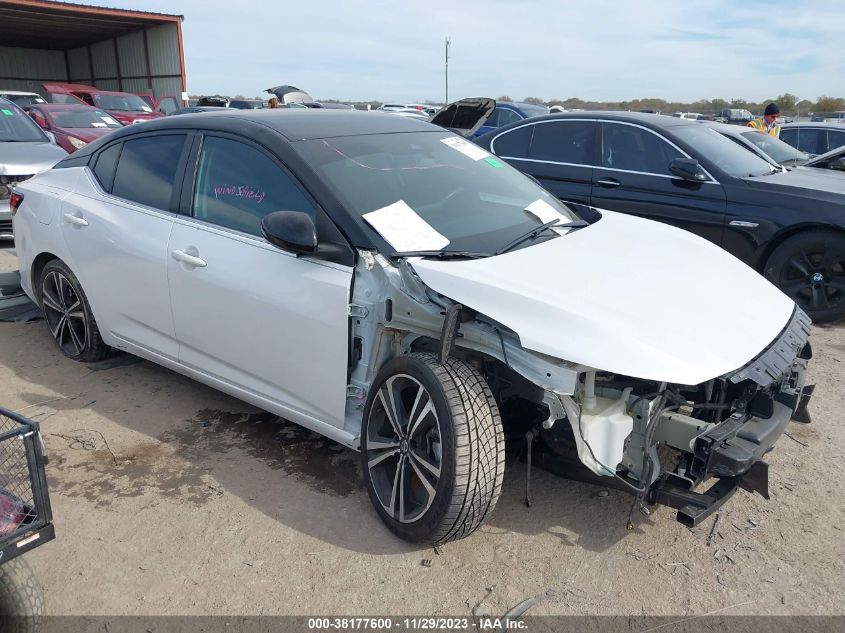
column 98, row 124
column 466, row 148
column 545, row 212
column 8, row 112
column 495, row 162
column 404, row 230
column 109, row 120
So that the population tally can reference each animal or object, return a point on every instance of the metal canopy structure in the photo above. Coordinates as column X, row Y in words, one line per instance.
column 113, row 49
column 62, row 26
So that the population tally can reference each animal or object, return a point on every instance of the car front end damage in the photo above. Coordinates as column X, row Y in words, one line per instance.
column 686, row 446
column 662, row 441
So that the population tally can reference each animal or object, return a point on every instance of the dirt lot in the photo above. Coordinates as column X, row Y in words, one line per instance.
column 172, row 498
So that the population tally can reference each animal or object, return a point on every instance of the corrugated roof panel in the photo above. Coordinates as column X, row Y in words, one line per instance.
column 163, row 42
column 131, row 50
column 102, row 56
column 80, row 71
column 136, row 85
column 32, row 63
column 107, row 84
column 166, row 87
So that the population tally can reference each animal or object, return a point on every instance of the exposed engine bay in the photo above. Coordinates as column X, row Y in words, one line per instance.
column 655, row 439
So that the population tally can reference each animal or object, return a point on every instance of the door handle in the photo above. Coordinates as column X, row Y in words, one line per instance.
column 608, row 182
column 189, row 260
column 73, row 218
column 744, row 224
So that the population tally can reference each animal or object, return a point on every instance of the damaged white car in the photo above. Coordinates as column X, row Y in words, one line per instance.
column 399, row 290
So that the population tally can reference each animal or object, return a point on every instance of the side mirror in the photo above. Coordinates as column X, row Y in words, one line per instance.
column 292, row 231
column 688, row 169
column 52, row 137
column 837, row 164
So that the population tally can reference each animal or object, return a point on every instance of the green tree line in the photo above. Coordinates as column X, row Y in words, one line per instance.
column 788, row 103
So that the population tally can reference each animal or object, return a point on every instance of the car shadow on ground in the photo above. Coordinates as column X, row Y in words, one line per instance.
column 203, row 443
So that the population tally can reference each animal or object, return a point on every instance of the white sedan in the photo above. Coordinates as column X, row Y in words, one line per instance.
column 388, row 284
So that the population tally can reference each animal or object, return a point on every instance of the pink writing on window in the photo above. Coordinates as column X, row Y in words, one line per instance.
column 239, row 191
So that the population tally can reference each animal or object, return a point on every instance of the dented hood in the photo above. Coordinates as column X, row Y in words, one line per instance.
column 624, row 295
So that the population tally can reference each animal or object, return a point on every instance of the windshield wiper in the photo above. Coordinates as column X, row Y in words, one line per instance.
column 533, row 233
column 444, row 254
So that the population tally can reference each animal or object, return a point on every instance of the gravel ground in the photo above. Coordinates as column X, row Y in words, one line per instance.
column 172, row 498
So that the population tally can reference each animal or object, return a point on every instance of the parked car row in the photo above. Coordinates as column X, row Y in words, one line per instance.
column 787, row 225
column 25, row 150
column 483, row 306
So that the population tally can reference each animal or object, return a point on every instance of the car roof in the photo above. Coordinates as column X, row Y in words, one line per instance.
column 19, row 93
column 640, row 118
column 726, row 128
column 832, row 125
column 294, row 124
column 54, row 107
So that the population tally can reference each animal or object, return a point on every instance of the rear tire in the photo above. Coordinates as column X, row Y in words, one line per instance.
column 68, row 314
column 432, row 448
column 21, row 598
column 810, row 269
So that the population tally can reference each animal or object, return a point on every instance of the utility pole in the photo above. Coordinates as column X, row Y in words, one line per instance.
column 448, row 42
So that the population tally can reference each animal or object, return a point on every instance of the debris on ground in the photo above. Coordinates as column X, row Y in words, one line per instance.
column 713, row 529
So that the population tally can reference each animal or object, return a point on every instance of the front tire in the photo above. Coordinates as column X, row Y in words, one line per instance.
column 810, row 269
column 432, row 448
column 68, row 314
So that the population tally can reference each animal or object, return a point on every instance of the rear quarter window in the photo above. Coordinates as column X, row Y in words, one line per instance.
column 105, row 165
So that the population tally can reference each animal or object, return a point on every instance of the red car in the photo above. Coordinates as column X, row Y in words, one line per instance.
column 123, row 106
column 73, row 125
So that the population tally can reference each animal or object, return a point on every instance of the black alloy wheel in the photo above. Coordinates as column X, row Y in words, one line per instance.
column 68, row 314
column 432, row 448
column 810, row 269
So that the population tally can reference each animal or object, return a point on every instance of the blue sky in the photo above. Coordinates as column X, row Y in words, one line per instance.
column 598, row 50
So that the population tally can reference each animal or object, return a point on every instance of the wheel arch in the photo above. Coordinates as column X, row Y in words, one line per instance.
column 792, row 231
column 38, row 264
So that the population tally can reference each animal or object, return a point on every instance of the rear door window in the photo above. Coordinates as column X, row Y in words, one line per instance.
column 237, row 185
column 507, row 116
column 146, row 170
column 493, row 119
column 513, row 143
column 562, row 142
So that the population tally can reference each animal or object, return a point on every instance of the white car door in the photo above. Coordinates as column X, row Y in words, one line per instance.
column 259, row 322
column 116, row 225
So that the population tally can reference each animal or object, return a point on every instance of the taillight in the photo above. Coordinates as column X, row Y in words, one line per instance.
column 15, row 200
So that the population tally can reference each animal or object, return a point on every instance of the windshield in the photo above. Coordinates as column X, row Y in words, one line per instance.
column 23, row 100
column 83, row 118
column 722, row 152
column 16, row 126
column 774, row 147
column 127, row 103
column 473, row 200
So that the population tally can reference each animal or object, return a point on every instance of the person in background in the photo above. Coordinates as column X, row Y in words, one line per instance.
column 768, row 124
column 273, row 102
